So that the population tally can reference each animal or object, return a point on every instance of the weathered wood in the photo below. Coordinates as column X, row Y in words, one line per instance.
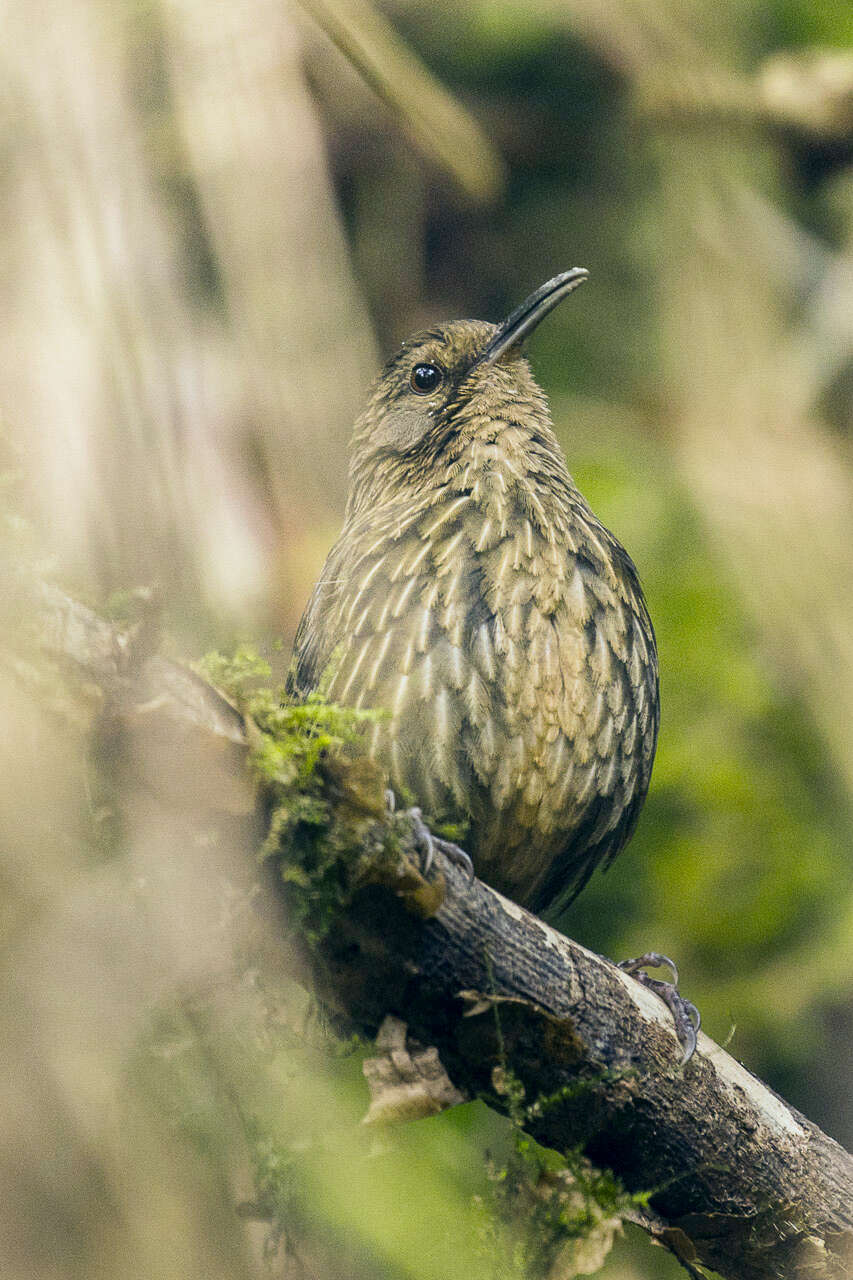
column 748, row 1186
column 742, row 1182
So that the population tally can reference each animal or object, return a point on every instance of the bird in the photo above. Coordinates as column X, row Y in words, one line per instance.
column 475, row 599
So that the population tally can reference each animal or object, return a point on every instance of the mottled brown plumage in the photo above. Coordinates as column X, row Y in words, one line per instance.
column 475, row 596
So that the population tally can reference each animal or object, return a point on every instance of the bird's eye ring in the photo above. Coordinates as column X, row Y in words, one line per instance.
column 426, row 378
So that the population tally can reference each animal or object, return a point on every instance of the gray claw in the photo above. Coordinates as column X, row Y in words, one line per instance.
column 457, row 856
column 654, row 958
column 428, row 843
column 685, row 1015
column 424, row 839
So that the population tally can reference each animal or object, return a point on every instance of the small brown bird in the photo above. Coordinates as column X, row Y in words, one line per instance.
column 475, row 597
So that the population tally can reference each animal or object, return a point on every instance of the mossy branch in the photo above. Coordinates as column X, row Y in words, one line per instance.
column 739, row 1180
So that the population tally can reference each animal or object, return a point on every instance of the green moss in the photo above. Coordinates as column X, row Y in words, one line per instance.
column 560, row 1211
column 130, row 606
column 325, row 798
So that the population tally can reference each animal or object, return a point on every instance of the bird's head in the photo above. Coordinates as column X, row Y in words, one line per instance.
column 443, row 385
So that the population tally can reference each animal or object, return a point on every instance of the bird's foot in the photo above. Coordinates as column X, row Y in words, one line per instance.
column 457, row 856
column 428, row 843
column 685, row 1015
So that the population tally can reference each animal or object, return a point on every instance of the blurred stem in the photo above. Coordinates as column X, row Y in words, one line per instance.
column 809, row 93
column 437, row 125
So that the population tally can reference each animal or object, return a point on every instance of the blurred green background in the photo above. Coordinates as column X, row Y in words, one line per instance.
column 216, row 218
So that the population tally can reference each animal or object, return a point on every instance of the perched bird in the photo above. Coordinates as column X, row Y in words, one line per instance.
column 475, row 597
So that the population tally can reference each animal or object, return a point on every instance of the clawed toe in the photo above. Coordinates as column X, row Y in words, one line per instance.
column 424, row 840
column 685, row 1015
column 428, row 843
column 457, row 856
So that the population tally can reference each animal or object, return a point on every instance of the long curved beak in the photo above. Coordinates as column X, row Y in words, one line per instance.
column 525, row 318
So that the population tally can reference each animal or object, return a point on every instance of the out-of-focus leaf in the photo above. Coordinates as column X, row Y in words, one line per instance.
column 441, row 128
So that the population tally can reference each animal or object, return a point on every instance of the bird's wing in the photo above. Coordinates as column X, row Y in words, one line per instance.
column 316, row 636
column 597, row 840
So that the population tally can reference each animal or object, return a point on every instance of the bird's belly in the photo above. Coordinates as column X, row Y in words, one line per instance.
column 521, row 742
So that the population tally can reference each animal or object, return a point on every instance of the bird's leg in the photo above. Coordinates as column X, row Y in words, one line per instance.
column 428, row 843
column 457, row 856
column 424, row 839
column 685, row 1015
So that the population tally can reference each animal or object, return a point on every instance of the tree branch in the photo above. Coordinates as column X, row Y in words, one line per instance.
column 742, row 1182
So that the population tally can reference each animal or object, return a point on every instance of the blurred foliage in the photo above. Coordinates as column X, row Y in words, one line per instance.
column 294, row 750
column 463, row 1193
column 201, row 207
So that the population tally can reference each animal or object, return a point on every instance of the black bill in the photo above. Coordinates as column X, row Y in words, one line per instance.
column 525, row 318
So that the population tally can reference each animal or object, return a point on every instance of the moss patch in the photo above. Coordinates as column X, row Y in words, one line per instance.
column 328, row 828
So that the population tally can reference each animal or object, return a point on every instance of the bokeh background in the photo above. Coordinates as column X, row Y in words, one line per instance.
column 215, row 218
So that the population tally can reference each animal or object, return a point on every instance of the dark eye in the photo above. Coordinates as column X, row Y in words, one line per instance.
column 425, row 378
